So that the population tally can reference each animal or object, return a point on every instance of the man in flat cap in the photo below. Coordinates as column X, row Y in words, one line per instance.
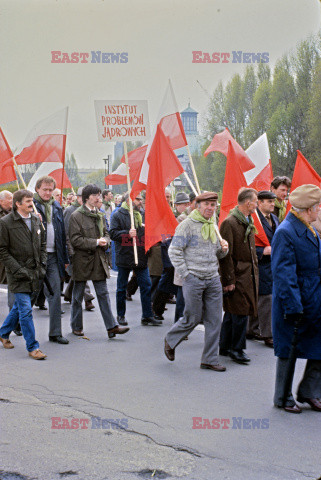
column 239, row 274
column 194, row 252
column 296, row 270
column 266, row 223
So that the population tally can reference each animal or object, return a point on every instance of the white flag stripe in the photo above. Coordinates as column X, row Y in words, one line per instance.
column 259, row 153
column 120, row 170
column 45, row 168
column 56, row 124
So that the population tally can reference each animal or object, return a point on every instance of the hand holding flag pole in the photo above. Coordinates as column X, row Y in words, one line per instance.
column 130, row 204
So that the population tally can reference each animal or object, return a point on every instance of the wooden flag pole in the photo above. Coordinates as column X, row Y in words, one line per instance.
column 173, row 194
column 193, row 170
column 63, row 157
column 190, row 183
column 130, row 203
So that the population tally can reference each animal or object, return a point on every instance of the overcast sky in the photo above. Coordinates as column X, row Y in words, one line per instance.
column 159, row 37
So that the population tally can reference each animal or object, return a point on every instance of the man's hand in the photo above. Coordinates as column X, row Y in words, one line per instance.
column 132, row 232
column 267, row 250
column 102, row 242
column 229, row 288
column 224, row 245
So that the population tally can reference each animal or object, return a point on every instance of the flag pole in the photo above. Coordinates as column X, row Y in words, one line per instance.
column 190, row 183
column 130, row 203
column 193, row 169
column 63, row 156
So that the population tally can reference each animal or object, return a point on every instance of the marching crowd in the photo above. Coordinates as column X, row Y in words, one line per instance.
column 266, row 280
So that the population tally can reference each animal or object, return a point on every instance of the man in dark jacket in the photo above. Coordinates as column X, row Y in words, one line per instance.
column 23, row 252
column 280, row 186
column 89, row 239
column 53, row 221
column 239, row 273
column 122, row 233
column 260, row 327
column 296, row 269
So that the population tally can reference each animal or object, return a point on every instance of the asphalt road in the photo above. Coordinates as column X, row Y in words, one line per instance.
column 133, row 411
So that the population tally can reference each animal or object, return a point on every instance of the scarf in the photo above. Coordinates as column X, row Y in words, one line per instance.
column 47, row 206
column 242, row 218
column 207, row 230
column 138, row 220
column 282, row 209
column 75, row 204
column 298, row 216
column 99, row 217
column 107, row 204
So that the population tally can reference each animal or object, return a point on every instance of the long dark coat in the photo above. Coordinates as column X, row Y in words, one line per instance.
column 239, row 267
column 296, row 269
column 3, row 277
column 89, row 262
column 265, row 271
column 22, row 252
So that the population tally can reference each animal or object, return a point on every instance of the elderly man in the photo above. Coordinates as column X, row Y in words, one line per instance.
column 280, row 186
column 23, row 252
column 52, row 219
column 89, row 239
column 296, row 269
column 239, row 273
column 194, row 252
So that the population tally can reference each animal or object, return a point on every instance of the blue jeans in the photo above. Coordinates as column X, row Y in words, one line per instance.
column 144, row 283
column 22, row 311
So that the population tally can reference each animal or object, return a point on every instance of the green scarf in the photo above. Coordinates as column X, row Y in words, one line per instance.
column 208, row 230
column 138, row 221
column 47, row 205
column 75, row 204
column 99, row 216
column 107, row 204
column 282, row 209
column 250, row 224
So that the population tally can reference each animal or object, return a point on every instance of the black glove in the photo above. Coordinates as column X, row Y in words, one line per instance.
column 294, row 317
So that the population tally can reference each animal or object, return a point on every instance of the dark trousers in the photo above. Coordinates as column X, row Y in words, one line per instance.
column 144, row 283
column 233, row 332
column 180, row 304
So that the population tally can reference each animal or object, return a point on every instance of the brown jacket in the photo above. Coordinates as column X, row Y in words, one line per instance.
column 155, row 262
column 239, row 267
column 89, row 262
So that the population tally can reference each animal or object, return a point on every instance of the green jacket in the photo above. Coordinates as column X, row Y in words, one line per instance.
column 22, row 252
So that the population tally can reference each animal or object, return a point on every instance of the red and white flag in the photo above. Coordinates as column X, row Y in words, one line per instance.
column 46, row 142
column 7, row 173
column 261, row 239
column 261, row 176
column 54, row 170
column 170, row 122
column 135, row 160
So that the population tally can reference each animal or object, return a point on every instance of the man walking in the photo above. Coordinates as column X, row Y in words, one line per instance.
column 280, row 187
column 194, row 252
column 89, row 239
column 23, row 252
column 239, row 274
column 52, row 219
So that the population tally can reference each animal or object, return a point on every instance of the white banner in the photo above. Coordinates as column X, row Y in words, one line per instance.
column 120, row 120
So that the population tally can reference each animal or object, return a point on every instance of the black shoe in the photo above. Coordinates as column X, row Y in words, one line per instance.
column 18, row 333
column 151, row 321
column 158, row 317
column 224, row 353
column 42, row 307
column 62, row 312
column 239, row 356
column 59, row 339
column 122, row 320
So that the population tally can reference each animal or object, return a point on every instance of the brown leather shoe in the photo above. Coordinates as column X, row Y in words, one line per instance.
column 37, row 354
column 169, row 352
column 89, row 305
column 292, row 409
column 6, row 343
column 79, row 333
column 217, row 367
column 315, row 403
column 112, row 332
column 269, row 342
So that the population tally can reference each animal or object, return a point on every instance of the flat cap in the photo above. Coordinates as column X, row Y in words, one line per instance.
column 266, row 195
column 181, row 197
column 79, row 191
column 206, row 196
column 305, row 196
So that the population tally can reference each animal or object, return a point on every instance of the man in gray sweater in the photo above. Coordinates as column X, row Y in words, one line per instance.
column 194, row 252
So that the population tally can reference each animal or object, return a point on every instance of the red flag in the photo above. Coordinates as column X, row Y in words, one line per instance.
column 220, row 143
column 46, row 141
column 261, row 239
column 135, row 160
column 54, row 170
column 261, row 176
column 7, row 173
column 170, row 122
column 159, row 218
column 303, row 174
column 234, row 179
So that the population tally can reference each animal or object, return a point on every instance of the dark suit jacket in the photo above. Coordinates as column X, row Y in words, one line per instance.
column 265, row 272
